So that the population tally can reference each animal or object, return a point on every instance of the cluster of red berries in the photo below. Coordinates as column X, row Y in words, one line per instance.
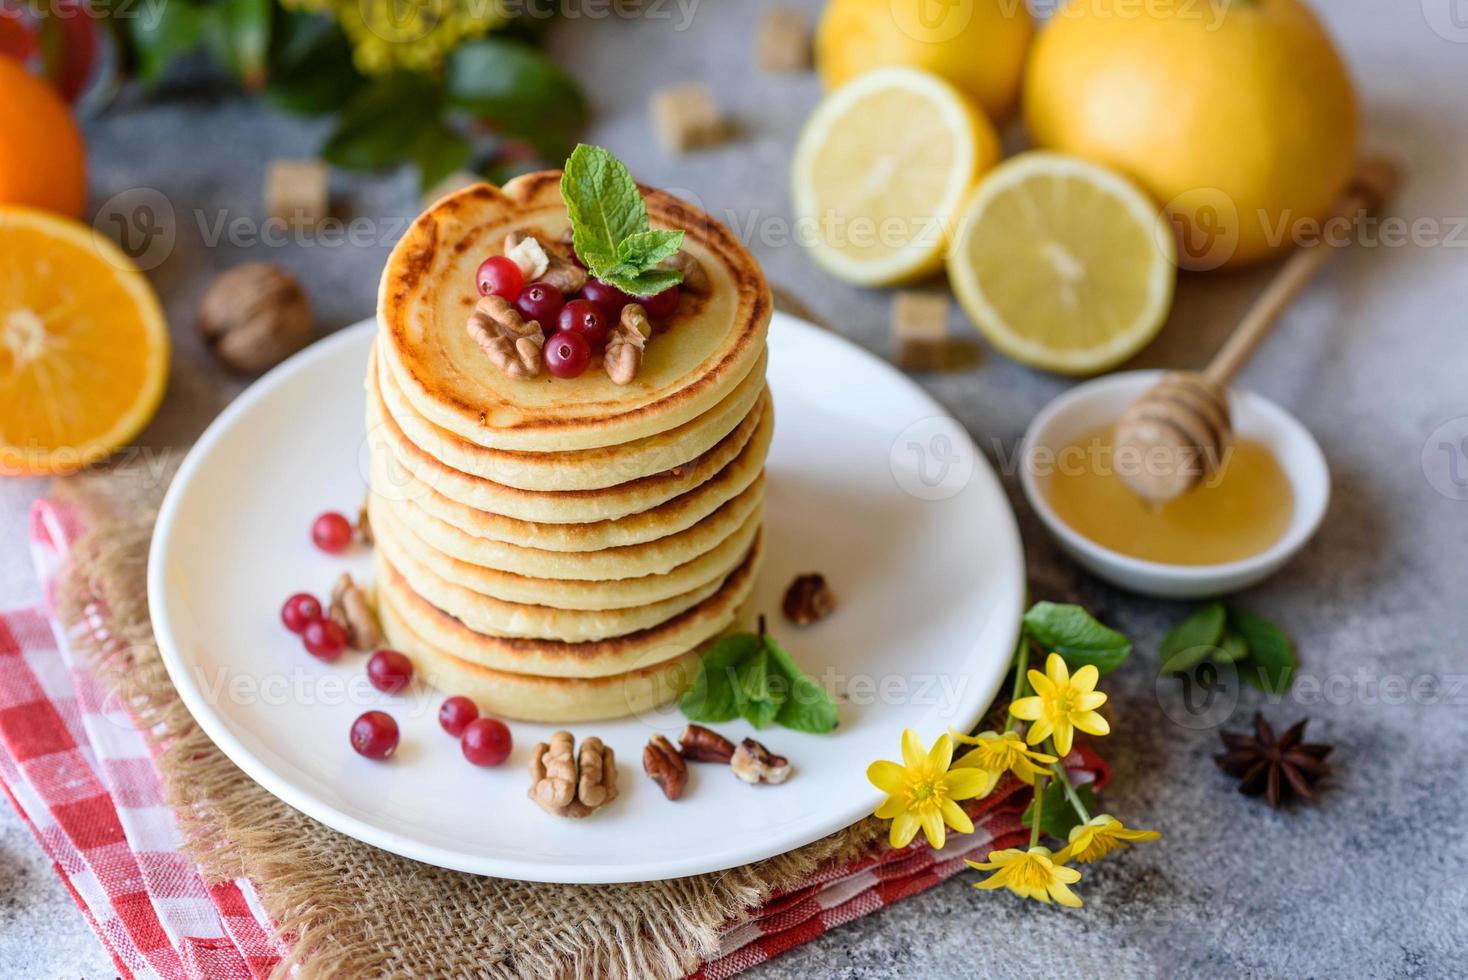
column 484, row 741
column 575, row 327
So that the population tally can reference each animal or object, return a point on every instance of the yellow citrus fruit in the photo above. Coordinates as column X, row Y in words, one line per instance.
column 881, row 170
column 42, row 157
column 978, row 45
column 1063, row 264
column 83, row 345
column 1239, row 117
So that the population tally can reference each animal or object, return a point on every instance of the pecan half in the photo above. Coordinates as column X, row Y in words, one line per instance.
column 351, row 610
column 362, row 531
column 754, row 763
column 808, row 599
column 666, row 767
column 571, row 784
column 511, row 342
column 701, row 744
column 626, row 343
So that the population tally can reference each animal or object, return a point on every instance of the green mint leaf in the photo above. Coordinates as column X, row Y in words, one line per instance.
column 1232, row 648
column 807, row 707
column 761, row 693
column 641, row 283
column 604, row 205
column 714, row 695
column 1072, row 632
column 1059, row 816
column 1271, row 662
column 645, row 249
column 1193, row 640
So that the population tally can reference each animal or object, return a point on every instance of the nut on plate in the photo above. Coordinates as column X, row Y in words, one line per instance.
column 754, row 763
column 666, row 767
column 254, row 316
column 569, row 783
column 511, row 342
column 701, row 744
column 808, row 599
column 351, row 610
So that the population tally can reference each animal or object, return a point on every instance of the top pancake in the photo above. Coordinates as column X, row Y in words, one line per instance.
column 428, row 291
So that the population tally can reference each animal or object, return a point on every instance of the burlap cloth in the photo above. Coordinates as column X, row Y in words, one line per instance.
column 348, row 909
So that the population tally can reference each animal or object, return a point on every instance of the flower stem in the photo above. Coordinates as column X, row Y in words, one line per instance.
column 1039, row 811
column 1070, row 793
column 1021, row 665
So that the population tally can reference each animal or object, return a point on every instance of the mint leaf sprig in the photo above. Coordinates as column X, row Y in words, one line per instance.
column 751, row 676
column 1259, row 650
column 610, row 228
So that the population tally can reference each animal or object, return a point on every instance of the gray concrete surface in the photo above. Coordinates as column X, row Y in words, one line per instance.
column 1374, row 360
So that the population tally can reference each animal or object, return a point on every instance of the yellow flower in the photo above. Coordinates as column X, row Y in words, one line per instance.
column 1030, row 874
column 416, row 35
column 1098, row 837
column 1062, row 703
column 998, row 752
column 921, row 792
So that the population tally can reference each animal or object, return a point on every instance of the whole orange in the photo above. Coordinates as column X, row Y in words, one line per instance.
column 43, row 161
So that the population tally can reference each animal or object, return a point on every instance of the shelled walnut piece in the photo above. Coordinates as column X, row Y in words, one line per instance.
column 626, row 343
column 353, row 613
column 753, row 763
column 511, row 342
column 568, row 783
column 666, row 767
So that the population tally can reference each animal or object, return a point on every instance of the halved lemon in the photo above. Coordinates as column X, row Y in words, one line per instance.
column 83, row 345
column 881, row 171
column 1063, row 264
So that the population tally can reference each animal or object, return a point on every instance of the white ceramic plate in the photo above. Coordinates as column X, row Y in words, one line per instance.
column 871, row 483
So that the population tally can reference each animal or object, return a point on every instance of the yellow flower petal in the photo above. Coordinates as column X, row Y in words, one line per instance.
column 904, row 829
column 1026, row 709
column 965, row 784
column 890, row 807
column 954, row 816
column 1091, row 723
column 1089, row 700
column 887, row 776
column 1085, row 679
column 1063, row 734
column 1041, row 730
column 1065, row 896
column 913, row 752
column 941, row 754
column 1066, row 875
column 1056, row 670
column 1042, row 685
column 932, row 820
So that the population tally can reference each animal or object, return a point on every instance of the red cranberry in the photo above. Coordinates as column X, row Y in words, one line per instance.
column 566, row 354
column 661, row 305
column 500, row 276
column 332, row 532
column 389, row 671
column 540, row 301
column 609, row 298
column 325, row 638
column 584, row 317
column 486, row 742
column 300, row 611
column 456, row 713
column 375, row 735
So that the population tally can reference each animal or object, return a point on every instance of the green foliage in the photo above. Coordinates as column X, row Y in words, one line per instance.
column 1194, row 639
column 1077, row 636
column 525, row 94
column 610, row 225
column 1057, row 816
column 750, row 675
column 1259, row 650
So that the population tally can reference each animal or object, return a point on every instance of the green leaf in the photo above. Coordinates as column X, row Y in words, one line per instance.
column 1271, row 663
column 645, row 249
column 643, row 283
column 761, row 694
column 604, row 204
column 159, row 40
column 384, row 124
column 807, row 706
column 1058, row 816
column 1194, row 639
column 439, row 151
column 1232, row 648
column 516, row 86
column 239, row 33
column 1072, row 632
column 714, row 695
column 311, row 70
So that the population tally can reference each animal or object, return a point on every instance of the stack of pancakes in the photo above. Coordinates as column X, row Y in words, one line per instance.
column 561, row 549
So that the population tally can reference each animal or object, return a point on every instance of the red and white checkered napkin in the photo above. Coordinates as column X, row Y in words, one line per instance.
column 82, row 778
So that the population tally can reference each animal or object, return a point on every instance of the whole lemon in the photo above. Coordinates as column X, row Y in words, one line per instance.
column 977, row 45
column 1238, row 117
column 42, row 157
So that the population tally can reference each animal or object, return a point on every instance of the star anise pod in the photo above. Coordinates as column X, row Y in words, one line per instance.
column 1277, row 767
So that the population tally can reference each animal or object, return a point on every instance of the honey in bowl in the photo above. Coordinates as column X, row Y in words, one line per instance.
column 1242, row 509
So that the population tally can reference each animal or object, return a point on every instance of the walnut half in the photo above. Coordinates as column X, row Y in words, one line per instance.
column 511, row 342
column 754, row 763
column 568, row 783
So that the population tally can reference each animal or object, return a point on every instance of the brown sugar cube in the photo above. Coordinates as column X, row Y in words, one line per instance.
column 686, row 118
column 784, row 41
column 919, row 330
column 296, row 192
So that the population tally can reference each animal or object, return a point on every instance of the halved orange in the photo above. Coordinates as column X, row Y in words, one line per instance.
column 83, row 345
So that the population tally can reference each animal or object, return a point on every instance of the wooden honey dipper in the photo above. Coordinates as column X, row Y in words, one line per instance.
column 1174, row 436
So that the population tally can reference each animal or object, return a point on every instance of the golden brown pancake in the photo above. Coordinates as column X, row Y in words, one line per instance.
column 428, row 290
column 551, row 658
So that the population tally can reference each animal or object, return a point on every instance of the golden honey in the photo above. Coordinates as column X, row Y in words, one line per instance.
column 1239, row 512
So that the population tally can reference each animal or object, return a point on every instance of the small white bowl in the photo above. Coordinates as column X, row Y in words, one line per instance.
column 1094, row 403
